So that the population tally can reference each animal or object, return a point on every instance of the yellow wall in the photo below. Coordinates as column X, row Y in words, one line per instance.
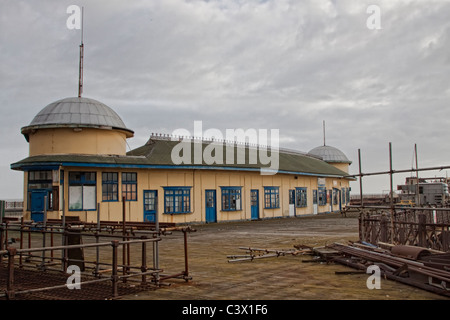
column 74, row 141
column 199, row 180
column 341, row 166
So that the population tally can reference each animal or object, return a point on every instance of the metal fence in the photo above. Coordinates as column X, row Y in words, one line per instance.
column 424, row 227
column 418, row 226
column 120, row 252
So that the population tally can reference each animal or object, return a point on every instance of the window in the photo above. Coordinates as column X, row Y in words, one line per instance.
column 82, row 191
column 110, row 187
column 335, row 196
column 177, row 200
column 231, row 198
column 129, row 186
column 40, row 179
column 150, row 200
column 271, row 197
column 322, row 196
column 291, row 196
column 301, row 197
column 254, row 198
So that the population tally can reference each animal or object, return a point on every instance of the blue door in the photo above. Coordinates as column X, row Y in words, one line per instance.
column 150, row 205
column 211, row 212
column 38, row 205
column 254, row 204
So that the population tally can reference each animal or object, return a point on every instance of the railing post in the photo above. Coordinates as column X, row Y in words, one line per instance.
column 422, row 230
column 10, row 281
column 1, row 241
column 384, row 228
column 2, row 210
column 186, row 265
column 144, row 261
column 124, row 249
column 114, row 277
column 97, row 240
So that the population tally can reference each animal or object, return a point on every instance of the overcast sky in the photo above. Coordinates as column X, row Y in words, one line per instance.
column 274, row 64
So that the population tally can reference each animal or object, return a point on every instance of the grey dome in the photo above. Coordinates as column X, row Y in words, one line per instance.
column 330, row 154
column 76, row 112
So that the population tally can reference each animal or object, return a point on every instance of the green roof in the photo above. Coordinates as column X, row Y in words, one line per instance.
column 157, row 153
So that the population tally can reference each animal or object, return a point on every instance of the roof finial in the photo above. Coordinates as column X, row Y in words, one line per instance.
column 80, row 71
column 324, row 144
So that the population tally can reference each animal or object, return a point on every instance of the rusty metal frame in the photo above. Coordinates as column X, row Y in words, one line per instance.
column 122, row 235
column 400, row 225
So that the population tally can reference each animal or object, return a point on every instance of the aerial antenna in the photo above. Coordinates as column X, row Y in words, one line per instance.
column 324, row 133
column 80, row 71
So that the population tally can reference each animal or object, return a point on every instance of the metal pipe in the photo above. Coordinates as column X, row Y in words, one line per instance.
column 97, row 240
column 391, row 176
column 417, row 176
column 124, row 248
column 21, row 240
column 156, row 247
column 44, row 225
column 399, row 207
column 391, row 194
column 60, row 286
column 10, row 281
column 186, row 260
column 87, row 245
column 398, row 171
column 114, row 277
column 360, row 178
column 144, row 262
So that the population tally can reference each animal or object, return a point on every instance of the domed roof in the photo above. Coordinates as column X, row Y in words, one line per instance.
column 77, row 112
column 330, row 154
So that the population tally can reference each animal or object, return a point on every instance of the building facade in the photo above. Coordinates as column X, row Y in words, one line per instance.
column 78, row 166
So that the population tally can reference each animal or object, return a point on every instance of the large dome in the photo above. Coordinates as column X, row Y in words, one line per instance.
column 330, row 154
column 76, row 112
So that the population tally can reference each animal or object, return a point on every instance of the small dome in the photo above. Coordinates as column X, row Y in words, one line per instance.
column 76, row 112
column 330, row 154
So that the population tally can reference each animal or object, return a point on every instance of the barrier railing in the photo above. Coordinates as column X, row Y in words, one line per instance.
column 24, row 243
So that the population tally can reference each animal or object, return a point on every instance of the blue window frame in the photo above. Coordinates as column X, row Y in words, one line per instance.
column 177, row 200
column 110, row 186
column 301, row 197
column 322, row 196
column 129, row 186
column 271, row 197
column 231, row 198
column 82, row 191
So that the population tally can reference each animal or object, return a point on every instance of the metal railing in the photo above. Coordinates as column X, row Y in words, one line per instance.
column 12, row 253
column 24, row 243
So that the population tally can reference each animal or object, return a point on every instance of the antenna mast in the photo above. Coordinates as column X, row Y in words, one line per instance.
column 324, row 133
column 80, row 71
